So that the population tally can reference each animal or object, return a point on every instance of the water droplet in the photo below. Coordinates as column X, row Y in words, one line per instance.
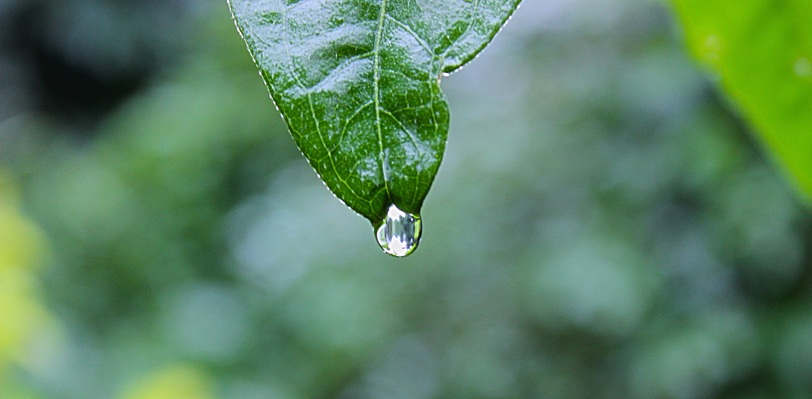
column 399, row 233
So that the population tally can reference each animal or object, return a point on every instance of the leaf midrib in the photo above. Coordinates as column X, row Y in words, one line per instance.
column 376, row 77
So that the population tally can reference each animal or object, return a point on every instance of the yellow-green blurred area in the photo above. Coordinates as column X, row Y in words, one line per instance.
column 603, row 225
column 762, row 51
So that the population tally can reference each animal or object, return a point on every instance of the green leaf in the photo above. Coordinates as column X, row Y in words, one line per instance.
column 762, row 52
column 358, row 83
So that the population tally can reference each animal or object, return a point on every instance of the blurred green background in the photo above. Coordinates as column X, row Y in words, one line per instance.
column 602, row 226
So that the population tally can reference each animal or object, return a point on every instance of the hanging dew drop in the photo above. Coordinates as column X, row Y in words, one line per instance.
column 399, row 233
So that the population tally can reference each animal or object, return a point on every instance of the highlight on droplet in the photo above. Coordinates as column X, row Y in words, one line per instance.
column 399, row 232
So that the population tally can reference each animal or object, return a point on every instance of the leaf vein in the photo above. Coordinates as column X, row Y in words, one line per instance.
column 376, row 77
column 312, row 109
column 414, row 34
column 350, row 119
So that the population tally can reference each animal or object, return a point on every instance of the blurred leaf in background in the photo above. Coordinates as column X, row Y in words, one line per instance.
column 179, row 381
column 23, row 317
column 762, row 53
column 602, row 225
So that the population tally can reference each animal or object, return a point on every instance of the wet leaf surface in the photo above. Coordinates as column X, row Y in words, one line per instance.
column 358, row 83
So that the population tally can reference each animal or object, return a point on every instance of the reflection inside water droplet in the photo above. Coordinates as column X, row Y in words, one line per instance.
column 399, row 233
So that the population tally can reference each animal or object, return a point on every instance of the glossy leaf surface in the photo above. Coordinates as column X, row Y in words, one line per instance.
column 358, row 83
column 762, row 52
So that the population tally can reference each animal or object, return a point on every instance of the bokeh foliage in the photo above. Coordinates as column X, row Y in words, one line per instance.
column 23, row 317
column 602, row 225
column 762, row 54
